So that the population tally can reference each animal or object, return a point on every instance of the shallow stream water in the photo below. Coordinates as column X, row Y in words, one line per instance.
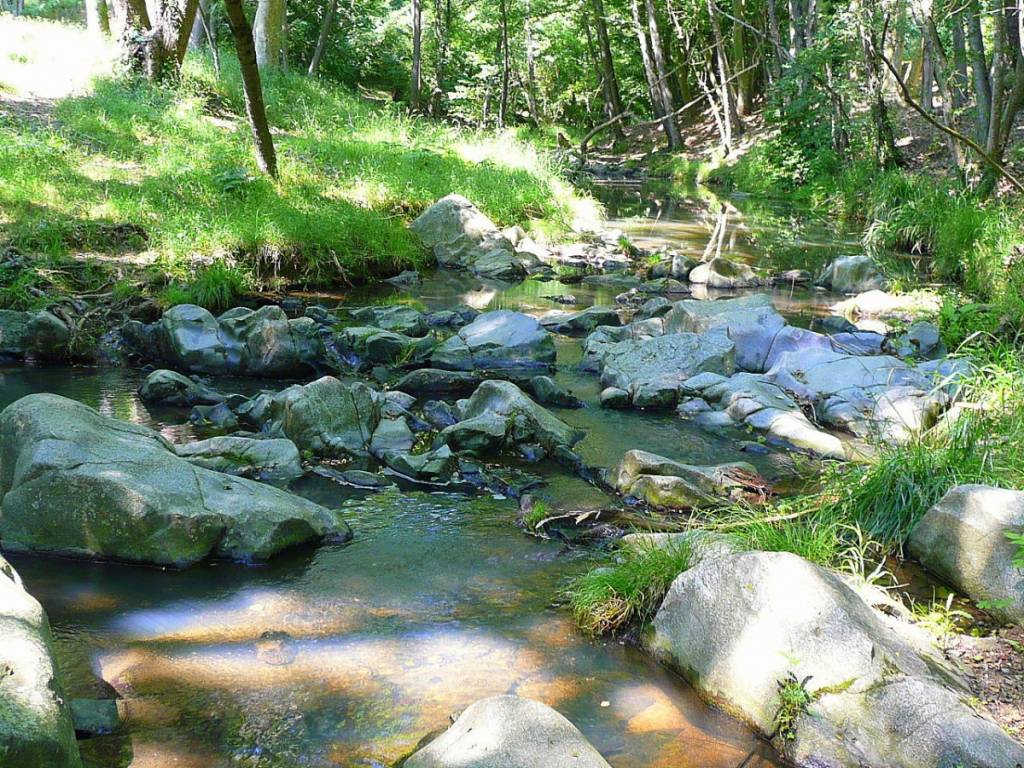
column 349, row 655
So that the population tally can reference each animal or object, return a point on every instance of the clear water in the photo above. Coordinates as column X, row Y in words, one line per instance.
column 349, row 655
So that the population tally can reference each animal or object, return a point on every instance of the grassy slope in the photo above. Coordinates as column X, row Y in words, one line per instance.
column 178, row 164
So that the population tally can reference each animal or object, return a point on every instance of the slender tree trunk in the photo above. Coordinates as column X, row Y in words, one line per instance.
column 645, row 55
column 927, row 74
column 959, row 73
column 442, row 25
column 884, row 138
column 734, row 126
column 531, row 69
column 96, row 17
column 506, row 67
column 416, row 86
column 321, row 41
column 197, row 37
column 266, row 158
column 661, row 70
column 268, row 33
column 979, row 70
column 607, row 61
column 775, row 39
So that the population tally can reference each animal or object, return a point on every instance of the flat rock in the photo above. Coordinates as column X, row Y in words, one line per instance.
column 508, row 732
column 582, row 322
column 495, row 341
column 275, row 459
column 751, row 322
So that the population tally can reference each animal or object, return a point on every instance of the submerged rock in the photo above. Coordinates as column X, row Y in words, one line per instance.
column 262, row 342
column 327, row 417
column 508, row 732
column 36, row 729
column 547, row 391
column 371, row 345
column 962, row 539
column 663, row 482
column 852, row 274
column 437, row 381
column 33, row 334
column 81, row 484
column 497, row 341
column 653, row 370
column 164, row 387
column 261, row 459
column 740, row 626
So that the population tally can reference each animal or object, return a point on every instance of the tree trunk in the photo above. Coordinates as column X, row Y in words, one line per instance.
column 661, row 70
column 531, row 70
column 416, row 86
column 927, row 74
column 959, row 73
column 321, row 42
column 96, row 17
column 645, row 55
column 611, row 82
column 734, row 126
column 266, row 158
column 979, row 70
column 197, row 38
column 268, row 33
column 506, row 67
column 442, row 24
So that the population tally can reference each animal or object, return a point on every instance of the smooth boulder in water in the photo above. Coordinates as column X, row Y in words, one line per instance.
column 33, row 334
column 327, row 417
column 458, row 233
column 36, row 730
column 499, row 340
column 508, row 732
column 262, row 342
column 963, row 539
column 662, row 482
column 723, row 273
column 750, row 322
column 258, row 458
column 740, row 626
column 164, row 387
column 852, row 274
column 582, row 322
column 81, row 484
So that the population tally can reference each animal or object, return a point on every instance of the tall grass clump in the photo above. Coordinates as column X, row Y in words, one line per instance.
column 628, row 589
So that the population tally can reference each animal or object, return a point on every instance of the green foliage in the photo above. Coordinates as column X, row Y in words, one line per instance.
column 1017, row 539
column 537, row 514
column 610, row 597
column 793, row 700
column 216, row 287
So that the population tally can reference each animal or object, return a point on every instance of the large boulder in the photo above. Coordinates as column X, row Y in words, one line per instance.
column 33, row 334
column 76, row 483
column 36, row 730
column 652, row 370
column 369, row 344
column 879, row 395
column 458, row 233
column 751, row 322
column 500, row 408
column 508, row 732
column 962, row 539
column 327, row 417
column 275, row 459
column 722, row 273
column 662, row 482
column 164, row 387
column 739, row 626
column 497, row 341
column 262, row 342
column 852, row 274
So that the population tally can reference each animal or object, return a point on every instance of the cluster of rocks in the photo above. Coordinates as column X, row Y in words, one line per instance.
column 738, row 361
column 662, row 482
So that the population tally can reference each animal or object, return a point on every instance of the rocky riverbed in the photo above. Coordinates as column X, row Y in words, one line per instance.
column 374, row 448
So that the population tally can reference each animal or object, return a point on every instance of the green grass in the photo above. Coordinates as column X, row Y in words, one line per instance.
column 628, row 589
column 177, row 165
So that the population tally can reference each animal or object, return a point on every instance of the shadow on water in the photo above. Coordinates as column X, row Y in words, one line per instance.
column 349, row 655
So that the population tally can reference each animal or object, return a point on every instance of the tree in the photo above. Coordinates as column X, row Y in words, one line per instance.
column 321, row 42
column 416, row 87
column 269, row 33
column 255, row 109
column 156, row 45
column 97, row 18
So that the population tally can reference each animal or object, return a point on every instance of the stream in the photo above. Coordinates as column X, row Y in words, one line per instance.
column 349, row 655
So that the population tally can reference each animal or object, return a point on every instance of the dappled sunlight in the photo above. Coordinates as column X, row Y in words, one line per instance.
column 47, row 60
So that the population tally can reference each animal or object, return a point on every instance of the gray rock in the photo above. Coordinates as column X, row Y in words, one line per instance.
column 582, row 322
column 616, row 281
column 274, row 459
column 524, row 421
column 326, row 417
column 81, row 484
column 396, row 318
column 962, row 539
column 652, row 370
column 458, row 233
column 852, row 274
column 751, row 322
column 391, row 435
column 921, row 340
column 496, row 341
column 36, row 730
column 656, row 307
column 547, row 391
column 613, row 397
column 214, row 418
column 481, row 434
column 508, row 732
column 436, row 381
column 264, row 342
column 663, row 482
column 736, row 625
column 433, row 466
column 499, row 263
column 722, row 273
column 164, row 387
column 438, row 414
column 408, row 278
column 372, row 345
column 33, row 334
column 95, row 717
